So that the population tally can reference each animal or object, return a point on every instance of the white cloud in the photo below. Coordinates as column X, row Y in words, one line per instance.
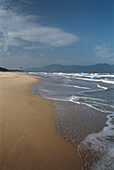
column 17, row 30
column 103, row 51
column 34, row 47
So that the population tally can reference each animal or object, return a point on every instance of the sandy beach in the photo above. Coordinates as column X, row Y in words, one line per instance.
column 28, row 138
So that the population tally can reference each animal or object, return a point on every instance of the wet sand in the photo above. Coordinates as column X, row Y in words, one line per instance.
column 81, row 121
column 76, row 126
column 28, row 138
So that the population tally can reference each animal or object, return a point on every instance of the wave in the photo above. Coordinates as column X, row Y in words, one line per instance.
column 97, row 80
column 91, row 98
column 44, row 90
column 32, row 73
column 108, row 105
column 76, row 99
column 97, row 75
column 105, row 88
column 101, row 146
column 86, row 98
column 108, row 81
column 89, row 105
column 80, row 87
column 91, row 75
column 83, row 76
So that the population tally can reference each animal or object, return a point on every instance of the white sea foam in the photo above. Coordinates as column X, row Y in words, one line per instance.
column 107, row 81
column 32, row 73
column 101, row 143
column 107, row 161
column 106, row 88
column 45, row 90
column 76, row 99
column 86, row 98
column 80, row 74
column 96, row 75
column 112, row 106
column 83, row 76
column 98, row 143
column 97, row 80
column 80, row 87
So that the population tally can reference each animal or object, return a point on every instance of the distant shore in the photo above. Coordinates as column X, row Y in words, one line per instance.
column 28, row 138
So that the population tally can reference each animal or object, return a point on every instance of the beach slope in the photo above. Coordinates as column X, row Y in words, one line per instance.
column 28, row 138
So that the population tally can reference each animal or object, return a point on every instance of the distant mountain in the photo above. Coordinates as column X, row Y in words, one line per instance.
column 97, row 68
column 3, row 69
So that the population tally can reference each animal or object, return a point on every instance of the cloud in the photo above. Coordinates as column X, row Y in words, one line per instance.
column 103, row 51
column 19, row 30
column 34, row 47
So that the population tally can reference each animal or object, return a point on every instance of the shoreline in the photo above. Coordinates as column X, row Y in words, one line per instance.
column 28, row 137
column 76, row 123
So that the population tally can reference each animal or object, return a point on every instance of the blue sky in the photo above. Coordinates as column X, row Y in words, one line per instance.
column 35, row 33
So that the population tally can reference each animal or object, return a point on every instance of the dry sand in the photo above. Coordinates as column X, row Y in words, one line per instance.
column 28, row 138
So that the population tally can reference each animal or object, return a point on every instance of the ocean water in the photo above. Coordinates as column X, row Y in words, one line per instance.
column 84, row 113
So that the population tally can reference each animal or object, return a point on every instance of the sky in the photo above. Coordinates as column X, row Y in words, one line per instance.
column 35, row 33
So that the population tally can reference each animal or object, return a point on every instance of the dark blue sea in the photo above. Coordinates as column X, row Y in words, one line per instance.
column 84, row 113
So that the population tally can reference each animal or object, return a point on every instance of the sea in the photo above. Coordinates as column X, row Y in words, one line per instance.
column 84, row 113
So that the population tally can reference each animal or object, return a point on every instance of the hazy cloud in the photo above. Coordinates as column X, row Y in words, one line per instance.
column 17, row 30
column 34, row 47
column 103, row 51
